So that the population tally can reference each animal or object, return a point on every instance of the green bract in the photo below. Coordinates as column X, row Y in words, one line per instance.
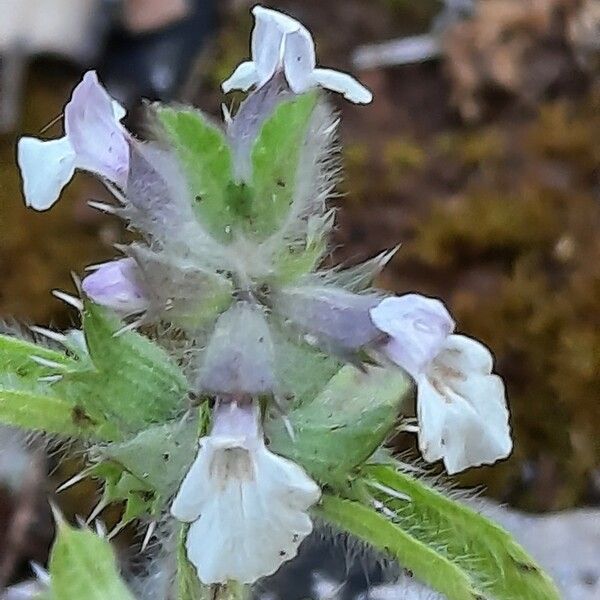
column 206, row 161
column 343, row 425
column 275, row 157
column 444, row 543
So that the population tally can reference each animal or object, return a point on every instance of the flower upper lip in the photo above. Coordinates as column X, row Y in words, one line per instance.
column 280, row 43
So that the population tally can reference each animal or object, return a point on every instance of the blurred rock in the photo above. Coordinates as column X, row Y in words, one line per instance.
column 24, row 526
column 523, row 48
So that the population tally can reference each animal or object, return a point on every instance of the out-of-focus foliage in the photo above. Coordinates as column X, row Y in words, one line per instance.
column 83, row 565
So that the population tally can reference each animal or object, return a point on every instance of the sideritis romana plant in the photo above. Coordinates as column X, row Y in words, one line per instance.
column 228, row 389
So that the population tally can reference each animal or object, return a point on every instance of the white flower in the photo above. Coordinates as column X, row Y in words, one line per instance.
column 280, row 43
column 461, row 404
column 247, row 505
column 462, row 410
column 94, row 141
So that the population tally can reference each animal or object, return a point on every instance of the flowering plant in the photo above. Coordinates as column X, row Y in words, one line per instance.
column 231, row 391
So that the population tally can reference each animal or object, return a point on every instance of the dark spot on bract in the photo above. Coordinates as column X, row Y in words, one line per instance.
column 81, row 418
column 526, row 567
column 589, row 578
column 281, row 183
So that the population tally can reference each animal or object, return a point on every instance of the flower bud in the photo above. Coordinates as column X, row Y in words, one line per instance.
column 239, row 356
column 332, row 315
column 117, row 285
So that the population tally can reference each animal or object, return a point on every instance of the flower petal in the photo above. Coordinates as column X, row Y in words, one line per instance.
column 116, row 285
column 46, row 167
column 461, row 405
column 417, row 327
column 93, row 128
column 119, row 111
column 299, row 60
column 187, row 505
column 267, row 39
column 243, row 78
column 344, row 84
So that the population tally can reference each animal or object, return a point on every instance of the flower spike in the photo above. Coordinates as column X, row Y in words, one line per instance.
column 94, row 141
column 280, row 43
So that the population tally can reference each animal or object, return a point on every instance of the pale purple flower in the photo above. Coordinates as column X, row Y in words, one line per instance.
column 117, row 285
column 280, row 43
column 247, row 506
column 94, row 141
column 461, row 404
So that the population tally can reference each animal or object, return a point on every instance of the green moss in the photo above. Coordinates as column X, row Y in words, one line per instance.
column 356, row 160
column 473, row 148
column 400, row 157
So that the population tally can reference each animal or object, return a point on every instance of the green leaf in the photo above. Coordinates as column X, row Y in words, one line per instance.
column 206, row 159
column 39, row 410
column 160, row 456
column 83, row 565
column 344, row 424
column 146, row 470
column 426, row 563
column 303, row 370
column 121, row 486
column 136, row 381
column 16, row 357
column 275, row 161
column 493, row 560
